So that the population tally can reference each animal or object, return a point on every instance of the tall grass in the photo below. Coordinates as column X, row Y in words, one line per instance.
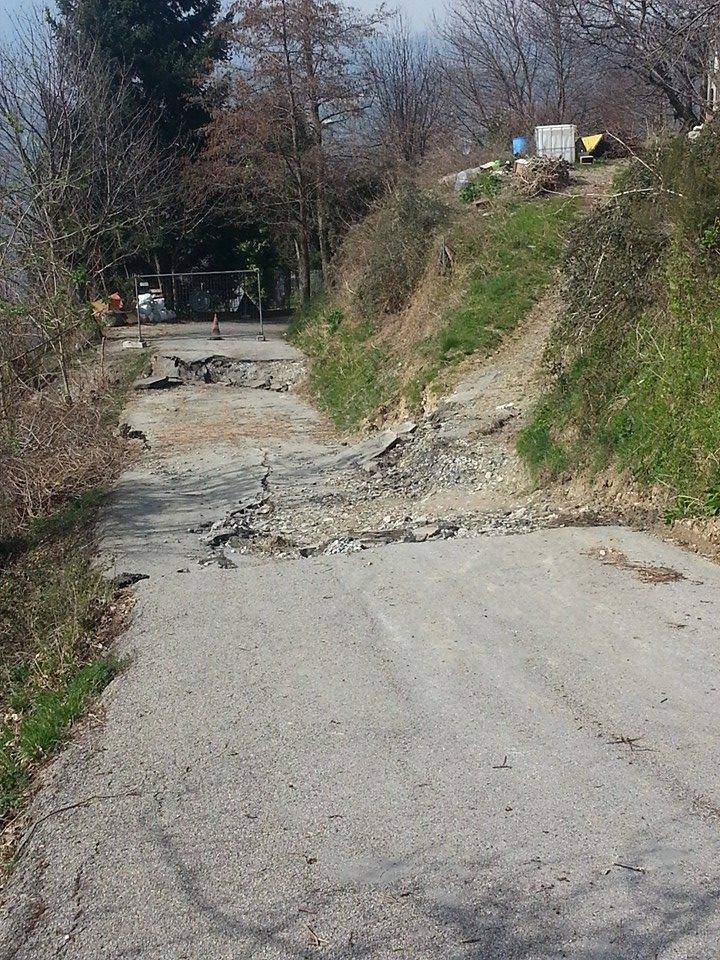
column 56, row 609
column 53, row 661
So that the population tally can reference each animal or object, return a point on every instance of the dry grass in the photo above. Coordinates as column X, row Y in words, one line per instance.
column 52, row 452
column 645, row 572
column 57, row 611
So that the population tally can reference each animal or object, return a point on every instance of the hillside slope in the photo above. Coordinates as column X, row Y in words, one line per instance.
column 423, row 284
column 635, row 356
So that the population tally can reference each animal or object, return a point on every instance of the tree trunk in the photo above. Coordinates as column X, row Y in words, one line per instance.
column 302, row 242
column 320, row 167
column 321, row 192
column 302, row 252
column 323, row 233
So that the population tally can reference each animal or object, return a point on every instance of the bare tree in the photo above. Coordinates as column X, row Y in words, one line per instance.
column 564, row 60
column 297, row 82
column 515, row 63
column 494, row 60
column 405, row 79
column 81, row 188
column 666, row 44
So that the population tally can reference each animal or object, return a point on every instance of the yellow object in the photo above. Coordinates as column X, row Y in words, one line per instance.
column 592, row 143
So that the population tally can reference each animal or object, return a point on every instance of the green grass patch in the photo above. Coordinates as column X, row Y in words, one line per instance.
column 545, row 455
column 513, row 262
column 503, row 263
column 635, row 357
column 349, row 375
column 52, row 664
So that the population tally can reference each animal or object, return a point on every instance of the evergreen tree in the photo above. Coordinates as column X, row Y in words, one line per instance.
column 167, row 47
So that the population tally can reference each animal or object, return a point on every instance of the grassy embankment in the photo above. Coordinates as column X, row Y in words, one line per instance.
column 636, row 357
column 56, row 618
column 424, row 282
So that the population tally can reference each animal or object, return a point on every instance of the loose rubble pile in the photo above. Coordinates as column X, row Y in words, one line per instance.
column 376, row 493
column 540, row 175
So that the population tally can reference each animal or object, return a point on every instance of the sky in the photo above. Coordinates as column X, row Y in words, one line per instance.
column 418, row 11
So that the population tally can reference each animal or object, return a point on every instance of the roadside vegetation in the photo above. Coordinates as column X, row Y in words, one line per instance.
column 424, row 282
column 58, row 613
column 634, row 359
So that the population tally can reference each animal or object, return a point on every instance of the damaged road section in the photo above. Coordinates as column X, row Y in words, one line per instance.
column 412, row 483
column 172, row 371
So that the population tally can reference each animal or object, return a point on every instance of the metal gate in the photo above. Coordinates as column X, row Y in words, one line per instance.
column 230, row 295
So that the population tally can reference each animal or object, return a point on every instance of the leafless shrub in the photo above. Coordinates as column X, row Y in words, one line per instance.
column 81, row 188
column 56, row 452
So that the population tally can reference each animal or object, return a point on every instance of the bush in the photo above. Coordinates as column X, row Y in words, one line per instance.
column 51, row 453
column 393, row 246
column 483, row 187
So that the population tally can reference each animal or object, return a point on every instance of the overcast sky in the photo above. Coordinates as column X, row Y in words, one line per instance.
column 419, row 11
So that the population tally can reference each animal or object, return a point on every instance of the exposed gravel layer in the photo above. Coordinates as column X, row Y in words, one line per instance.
column 382, row 491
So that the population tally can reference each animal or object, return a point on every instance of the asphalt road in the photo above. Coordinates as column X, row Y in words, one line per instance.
column 487, row 749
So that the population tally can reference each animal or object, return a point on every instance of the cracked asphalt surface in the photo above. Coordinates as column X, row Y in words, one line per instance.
column 488, row 748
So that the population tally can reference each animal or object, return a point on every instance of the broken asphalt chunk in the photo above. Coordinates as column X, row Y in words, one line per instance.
column 157, row 383
column 219, row 536
column 124, row 580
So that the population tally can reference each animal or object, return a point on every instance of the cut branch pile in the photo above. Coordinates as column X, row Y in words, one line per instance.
column 541, row 175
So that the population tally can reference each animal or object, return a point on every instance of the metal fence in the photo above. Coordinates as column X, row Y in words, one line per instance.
column 231, row 295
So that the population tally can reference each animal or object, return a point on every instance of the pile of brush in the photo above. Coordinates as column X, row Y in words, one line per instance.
column 539, row 175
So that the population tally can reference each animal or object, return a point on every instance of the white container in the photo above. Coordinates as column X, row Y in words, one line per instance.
column 556, row 141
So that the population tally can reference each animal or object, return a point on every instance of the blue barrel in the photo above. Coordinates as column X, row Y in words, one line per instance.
column 520, row 146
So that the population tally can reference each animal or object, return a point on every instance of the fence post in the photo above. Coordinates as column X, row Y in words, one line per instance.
column 137, row 310
column 260, row 308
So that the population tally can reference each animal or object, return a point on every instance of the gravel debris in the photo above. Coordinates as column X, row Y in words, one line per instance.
column 380, row 491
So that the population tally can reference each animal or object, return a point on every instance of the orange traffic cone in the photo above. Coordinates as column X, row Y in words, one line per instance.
column 215, row 329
